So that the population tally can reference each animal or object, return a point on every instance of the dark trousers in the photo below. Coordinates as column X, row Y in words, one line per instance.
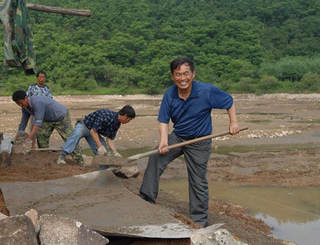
column 196, row 156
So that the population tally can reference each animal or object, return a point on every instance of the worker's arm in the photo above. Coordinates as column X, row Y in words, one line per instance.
column 111, row 144
column 24, row 120
column 95, row 137
column 34, row 131
column 233, row 126
column 39, row 109
column 163, row 130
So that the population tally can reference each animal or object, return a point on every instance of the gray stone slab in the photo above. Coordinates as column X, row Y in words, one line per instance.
column 17, row 230
column 98, row 200
column 66, row 231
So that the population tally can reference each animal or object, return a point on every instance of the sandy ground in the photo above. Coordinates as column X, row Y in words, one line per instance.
column 281, row 148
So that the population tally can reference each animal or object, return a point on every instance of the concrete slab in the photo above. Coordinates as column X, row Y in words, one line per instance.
column 97, row 199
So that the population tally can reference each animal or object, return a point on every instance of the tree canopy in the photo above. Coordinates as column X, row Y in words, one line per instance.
column 126, row 46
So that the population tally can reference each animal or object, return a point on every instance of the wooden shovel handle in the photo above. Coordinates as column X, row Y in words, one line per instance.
column 188, row 142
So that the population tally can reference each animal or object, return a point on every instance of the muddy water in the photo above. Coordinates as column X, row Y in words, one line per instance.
column 294, row 213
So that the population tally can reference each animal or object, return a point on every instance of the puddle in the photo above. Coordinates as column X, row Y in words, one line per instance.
column 294, row 213
column 301, row 233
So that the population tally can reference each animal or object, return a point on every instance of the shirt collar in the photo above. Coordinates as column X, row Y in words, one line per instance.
column 194, row 90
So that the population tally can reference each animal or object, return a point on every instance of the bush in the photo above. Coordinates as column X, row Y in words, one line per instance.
column 309, row 83
column 291, row 68
column 268, row 84
column 245, row 85
column 237, row 69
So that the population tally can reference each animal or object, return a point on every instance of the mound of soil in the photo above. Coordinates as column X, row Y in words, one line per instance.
column 38, row 166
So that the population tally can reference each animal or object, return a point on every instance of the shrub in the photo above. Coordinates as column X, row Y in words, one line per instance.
column 268, row 84
column 245, row 85
column 309, row 83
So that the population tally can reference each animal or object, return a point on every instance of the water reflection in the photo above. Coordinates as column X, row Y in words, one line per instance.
column 293, row 212
column 300, row 233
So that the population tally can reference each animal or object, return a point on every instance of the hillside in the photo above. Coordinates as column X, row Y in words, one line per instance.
column 126, row 46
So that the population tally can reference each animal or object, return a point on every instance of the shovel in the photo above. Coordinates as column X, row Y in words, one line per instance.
column 188, row 142
column 131, row 168
column 117, row 161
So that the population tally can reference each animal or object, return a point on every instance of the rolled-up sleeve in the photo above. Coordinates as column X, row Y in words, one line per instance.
column 39, row 110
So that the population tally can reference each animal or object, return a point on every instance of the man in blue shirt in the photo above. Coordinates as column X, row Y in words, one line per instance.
column 188, row 104
column 44, row 109
column 101, row 122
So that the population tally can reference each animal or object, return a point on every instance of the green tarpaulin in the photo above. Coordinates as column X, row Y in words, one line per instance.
column 18, row 42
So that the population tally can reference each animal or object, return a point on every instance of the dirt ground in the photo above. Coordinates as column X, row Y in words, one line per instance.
column 281, row 148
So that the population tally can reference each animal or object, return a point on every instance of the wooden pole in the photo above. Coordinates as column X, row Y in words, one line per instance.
column 48, row 9
column 56, row 10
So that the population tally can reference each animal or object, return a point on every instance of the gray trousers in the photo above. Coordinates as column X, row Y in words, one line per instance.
column 196, row 156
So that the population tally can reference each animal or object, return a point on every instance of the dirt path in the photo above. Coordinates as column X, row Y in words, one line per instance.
column 281, row 148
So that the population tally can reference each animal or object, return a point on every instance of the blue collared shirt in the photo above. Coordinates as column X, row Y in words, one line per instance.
column 192, row 117
column 42, row 108
column 105, row 122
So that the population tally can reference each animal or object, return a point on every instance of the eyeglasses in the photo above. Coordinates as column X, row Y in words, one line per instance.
column 178, row 74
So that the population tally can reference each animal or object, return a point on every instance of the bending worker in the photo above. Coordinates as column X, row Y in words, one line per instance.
column 188, row 104
column 45, row 109
column 101, row 122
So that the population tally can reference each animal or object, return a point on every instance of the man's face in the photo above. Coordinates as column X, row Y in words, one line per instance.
column 23, row 103
column 183, row 77
column 124, row 119
column 41, row 79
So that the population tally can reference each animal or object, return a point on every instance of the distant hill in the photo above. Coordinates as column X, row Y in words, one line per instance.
column 126, row 46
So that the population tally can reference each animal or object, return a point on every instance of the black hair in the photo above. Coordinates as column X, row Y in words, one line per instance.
column 127, row 110
column 41, row 72
column 176, row 63
column 18, row 95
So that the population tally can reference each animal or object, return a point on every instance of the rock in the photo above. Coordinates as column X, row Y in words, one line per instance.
column 5, row 150
column 17, row 230
column 218, row 237
column 2, row 216
column 65, row 231
column 33, row 215
column 21, row 145
column 288, row 243
column 127, row 172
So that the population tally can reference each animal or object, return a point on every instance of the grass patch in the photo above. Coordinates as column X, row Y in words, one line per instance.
column 227, row 150
column 305, row 121
column 267, row 113
column 87, row 151
column 259, row 121
column 100, row 91
column 134, row 151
